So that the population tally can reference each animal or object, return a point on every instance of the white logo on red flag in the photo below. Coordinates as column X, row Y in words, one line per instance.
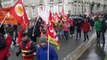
column 19, row 10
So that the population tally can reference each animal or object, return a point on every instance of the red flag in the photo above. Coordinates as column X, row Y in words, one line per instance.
column 50, row 16
column 6, row 18
column 56, row 17
column 18, row 11
column 52, row 37
column 63, row 13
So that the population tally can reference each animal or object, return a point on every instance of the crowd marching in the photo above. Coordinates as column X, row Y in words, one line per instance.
column 32, row 41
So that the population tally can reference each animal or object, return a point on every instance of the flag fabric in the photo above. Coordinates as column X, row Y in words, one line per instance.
column 63, row 13
column 44, row 15
column 56, row 17
column 51, row 34
column 52, row 37
column 6, row 18
column 18, row 11
column 50, row 16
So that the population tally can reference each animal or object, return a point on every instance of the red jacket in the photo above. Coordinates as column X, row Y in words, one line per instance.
column 86, row 27
column 5, row 52
column 66, row 27
column 70, row 22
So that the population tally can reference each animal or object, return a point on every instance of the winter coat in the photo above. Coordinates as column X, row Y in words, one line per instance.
column 2, row 42
column 70, row 22
column 66, row 27
column 86, row 27
column 78, row 26
column 104, row 26
column 98, row 25
column 42, row 53
column 5, row 52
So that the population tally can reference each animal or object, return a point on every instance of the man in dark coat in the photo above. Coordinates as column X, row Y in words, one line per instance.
column 103, row 30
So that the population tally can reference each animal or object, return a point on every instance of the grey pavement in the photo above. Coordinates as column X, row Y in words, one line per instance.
column 95, row 52
column 66, row 47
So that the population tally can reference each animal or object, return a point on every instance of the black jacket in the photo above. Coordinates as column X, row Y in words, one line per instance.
column 2, row 42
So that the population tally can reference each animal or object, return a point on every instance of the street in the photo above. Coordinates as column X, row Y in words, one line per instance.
column 76, row 23
column 66, row 46
column 95, row 52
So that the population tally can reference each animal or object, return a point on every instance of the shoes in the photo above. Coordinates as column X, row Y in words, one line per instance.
column 84, row 40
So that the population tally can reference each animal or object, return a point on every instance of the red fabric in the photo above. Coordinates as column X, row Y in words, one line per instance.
column 19, row 37
column 86, row 27
column 51, row 32
column 50, row 16
column 66, row 27
column 18, row 11
column 5, row 52
column 56, row 17
column 27, row 48
column 70, row 22
column 63, row 13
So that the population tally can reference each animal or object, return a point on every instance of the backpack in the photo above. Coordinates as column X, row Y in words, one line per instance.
column 2, row 43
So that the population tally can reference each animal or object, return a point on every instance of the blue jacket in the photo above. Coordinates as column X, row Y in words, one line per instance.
column 42, row 53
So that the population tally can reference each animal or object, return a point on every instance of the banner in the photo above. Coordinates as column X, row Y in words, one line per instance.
column 9, row 19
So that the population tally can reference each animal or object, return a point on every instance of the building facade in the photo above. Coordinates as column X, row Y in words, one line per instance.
column 73, row 7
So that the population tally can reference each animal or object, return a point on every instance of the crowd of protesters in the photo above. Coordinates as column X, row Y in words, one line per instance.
column 28, row 39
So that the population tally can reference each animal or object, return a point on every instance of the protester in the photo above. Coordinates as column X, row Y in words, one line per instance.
column 103, row 29
column 86, row 29
column 98, row 26
column 4, row 52
column 78, row 30
column 27, row 48
column 42, row 53
column 2, row 41
column 66, row 30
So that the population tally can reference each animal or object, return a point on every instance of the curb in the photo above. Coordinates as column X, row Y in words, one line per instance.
column 80, row 49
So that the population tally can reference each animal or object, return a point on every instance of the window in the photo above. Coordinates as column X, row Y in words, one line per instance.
column 40, row 1
column 60, row 0
column 51, row 0
column 5, row 0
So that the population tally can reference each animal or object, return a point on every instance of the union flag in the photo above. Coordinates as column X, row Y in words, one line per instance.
column 18, row 11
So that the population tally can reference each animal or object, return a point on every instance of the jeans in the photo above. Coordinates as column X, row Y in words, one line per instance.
column 103, row 37
column 86, row 36
column 66, row 34
column 78, row 34
column 72, row 29
column 98, row 34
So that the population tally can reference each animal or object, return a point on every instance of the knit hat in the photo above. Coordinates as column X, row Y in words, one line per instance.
column 43, row 40
column 24, row 34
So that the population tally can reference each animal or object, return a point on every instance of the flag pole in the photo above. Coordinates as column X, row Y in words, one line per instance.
column 48, row 43
column 3, row 20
